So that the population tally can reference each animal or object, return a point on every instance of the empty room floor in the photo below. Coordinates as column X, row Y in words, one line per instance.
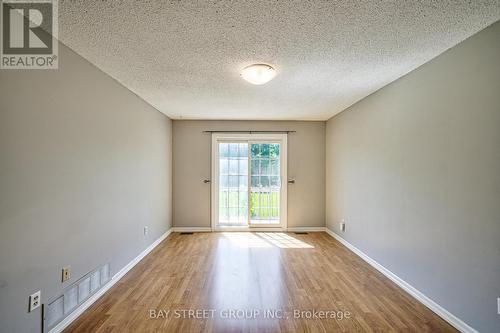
column 255, row 282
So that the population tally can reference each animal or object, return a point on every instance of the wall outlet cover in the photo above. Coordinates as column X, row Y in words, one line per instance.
column 342, row 226
column 146, row 230
column 66, row 273
column 35, row 300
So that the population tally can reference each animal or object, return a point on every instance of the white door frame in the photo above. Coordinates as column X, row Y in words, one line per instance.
column 218, row 137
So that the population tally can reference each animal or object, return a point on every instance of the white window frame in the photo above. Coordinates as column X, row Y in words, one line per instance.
column 282, row 139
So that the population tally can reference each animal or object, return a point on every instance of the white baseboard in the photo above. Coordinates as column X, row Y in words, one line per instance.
column 191, row 229
column 305, row 229
column 85, row 305
column 436, row 308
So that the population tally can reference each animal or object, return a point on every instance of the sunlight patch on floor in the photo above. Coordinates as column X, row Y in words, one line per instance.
column 265, row 240
column 246, row 240
column 284, row 241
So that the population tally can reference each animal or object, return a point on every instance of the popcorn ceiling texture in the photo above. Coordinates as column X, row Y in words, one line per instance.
column 184, row 57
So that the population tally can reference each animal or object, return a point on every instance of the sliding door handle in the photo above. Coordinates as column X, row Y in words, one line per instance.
column 206, row 181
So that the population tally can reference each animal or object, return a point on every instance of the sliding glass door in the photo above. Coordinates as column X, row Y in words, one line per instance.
column 248, row 181
column 265, row 183
column 233, row 183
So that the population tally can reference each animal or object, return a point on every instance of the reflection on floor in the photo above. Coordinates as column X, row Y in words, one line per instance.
column 256, row 282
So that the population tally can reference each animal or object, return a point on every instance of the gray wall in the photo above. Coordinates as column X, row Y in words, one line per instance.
column 84, row 165
column 414, row 169
column 306, row 163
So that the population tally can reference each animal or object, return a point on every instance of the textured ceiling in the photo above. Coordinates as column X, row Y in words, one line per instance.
column 184, row 57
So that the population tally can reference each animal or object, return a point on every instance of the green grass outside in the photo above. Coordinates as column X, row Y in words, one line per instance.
column 258, row 208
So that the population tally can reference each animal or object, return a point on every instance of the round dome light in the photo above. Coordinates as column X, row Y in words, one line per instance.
column 258, row 73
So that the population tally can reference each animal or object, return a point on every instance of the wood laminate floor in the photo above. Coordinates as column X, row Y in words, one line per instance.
column 242, row 280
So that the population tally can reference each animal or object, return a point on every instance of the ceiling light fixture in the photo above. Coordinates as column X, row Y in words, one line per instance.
column 258, row 73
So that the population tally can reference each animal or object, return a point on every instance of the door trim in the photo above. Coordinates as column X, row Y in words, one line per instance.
column 282, row 138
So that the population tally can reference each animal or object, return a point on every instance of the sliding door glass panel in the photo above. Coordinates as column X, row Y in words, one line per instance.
column 233, row 183
column 265, row 183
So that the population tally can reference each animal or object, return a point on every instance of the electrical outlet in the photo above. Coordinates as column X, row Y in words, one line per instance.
column 146, row 230
column 35, row 300
column 342, row 225
column 66, row 273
